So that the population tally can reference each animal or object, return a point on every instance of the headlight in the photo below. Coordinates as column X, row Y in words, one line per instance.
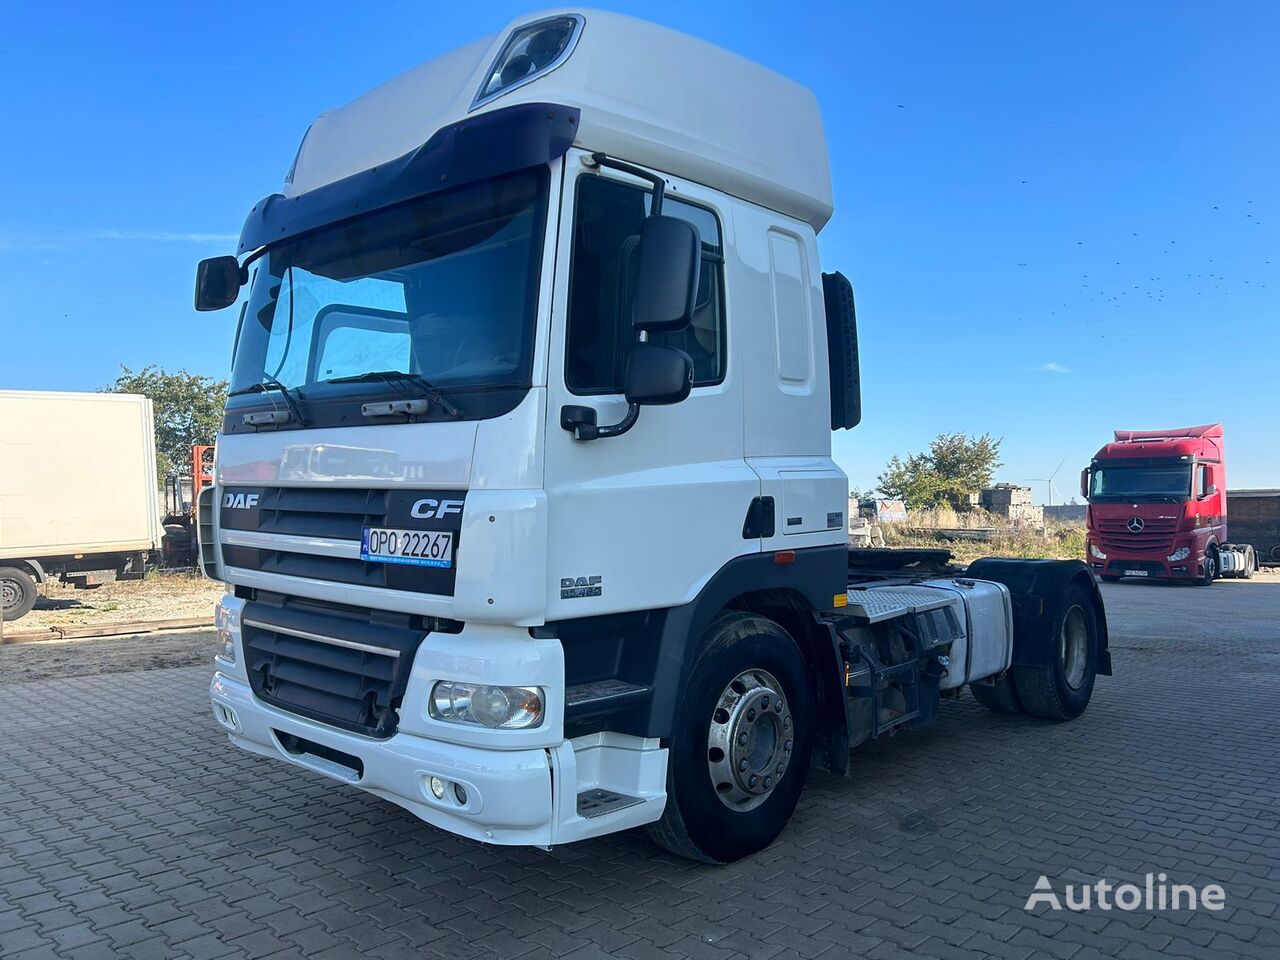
column 1180, row 554
column 485, row 705
column 1093, row 549
column 227, row 620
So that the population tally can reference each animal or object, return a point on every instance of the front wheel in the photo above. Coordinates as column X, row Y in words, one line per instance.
column 1062, row 689
column 739, row 751
column 1210, row 567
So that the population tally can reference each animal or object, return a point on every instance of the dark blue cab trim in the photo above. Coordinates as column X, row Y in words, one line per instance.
column 478, row 148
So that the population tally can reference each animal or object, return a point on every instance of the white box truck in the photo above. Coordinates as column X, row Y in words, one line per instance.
column 524, row 492
column 78, row 494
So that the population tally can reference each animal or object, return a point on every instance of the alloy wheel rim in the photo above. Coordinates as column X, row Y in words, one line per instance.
column 750, row 740
column 1073, row 647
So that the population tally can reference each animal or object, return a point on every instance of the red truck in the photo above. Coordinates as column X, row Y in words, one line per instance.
column 1158, row 508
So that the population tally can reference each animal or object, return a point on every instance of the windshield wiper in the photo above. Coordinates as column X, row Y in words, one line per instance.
column 268, row 417
column 398, row 377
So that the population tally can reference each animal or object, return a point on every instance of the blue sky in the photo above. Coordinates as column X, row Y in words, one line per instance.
column 1059, row 218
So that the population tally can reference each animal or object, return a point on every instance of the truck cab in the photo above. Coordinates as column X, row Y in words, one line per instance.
column 525, row 498
column 1158, row 507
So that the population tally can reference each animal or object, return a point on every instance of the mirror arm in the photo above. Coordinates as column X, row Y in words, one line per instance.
column 581, row 422
column 659, row 184
column 623, row 425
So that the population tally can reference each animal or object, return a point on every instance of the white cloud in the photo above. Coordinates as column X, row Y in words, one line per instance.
column 1051, row 367
column 162, row 236
column 29, row 239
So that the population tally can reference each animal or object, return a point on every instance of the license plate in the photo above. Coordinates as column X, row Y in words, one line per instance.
column 423, row 548
column 1135, row 573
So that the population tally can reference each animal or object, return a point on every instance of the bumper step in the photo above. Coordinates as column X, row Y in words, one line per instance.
column 597, row 802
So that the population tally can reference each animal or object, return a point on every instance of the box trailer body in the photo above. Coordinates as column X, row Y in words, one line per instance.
column 524, row 492
column 78, row 492
column 1158, row 507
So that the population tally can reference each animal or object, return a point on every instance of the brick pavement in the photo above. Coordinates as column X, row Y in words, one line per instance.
column 130, row 827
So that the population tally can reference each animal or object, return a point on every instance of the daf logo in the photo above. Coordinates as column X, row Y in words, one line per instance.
column 239, row 501
column 1135, row 524
column 428, row 508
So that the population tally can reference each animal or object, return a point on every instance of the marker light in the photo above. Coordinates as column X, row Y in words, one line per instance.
column 533, row 50
column 1180, row 554
column 486, row 705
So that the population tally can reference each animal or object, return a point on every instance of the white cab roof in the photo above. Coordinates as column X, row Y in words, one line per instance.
column 648, row 95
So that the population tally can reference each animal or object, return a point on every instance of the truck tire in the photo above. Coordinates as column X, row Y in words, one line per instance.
column 17, row 592
column 1250, row 563
column 1061, row 690
column 739, row 751
column 1210, row 567
column 999, row 696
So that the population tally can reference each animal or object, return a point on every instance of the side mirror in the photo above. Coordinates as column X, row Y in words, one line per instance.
column 1210, row 490
column 1084, row 483
column 667, row 262
column 657, row 375
column 217, row 283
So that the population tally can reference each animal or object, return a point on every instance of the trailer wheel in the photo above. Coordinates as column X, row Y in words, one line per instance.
column 1210, row 567
column 1061, row 690
column 739, row 752
column 17, row 592
column 999, row 696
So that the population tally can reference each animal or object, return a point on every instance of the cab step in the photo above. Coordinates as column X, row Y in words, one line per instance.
column 597, row 801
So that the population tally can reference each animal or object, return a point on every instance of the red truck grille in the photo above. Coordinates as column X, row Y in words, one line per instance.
column 1155, row 535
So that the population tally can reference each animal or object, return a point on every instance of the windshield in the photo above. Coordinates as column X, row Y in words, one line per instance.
column 1141, row 482
column 443, row 288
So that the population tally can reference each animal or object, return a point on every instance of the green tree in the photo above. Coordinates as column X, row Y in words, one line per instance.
column 188, row 410
column 955, row 465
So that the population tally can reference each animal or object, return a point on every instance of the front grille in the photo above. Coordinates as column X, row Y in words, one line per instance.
column 1155, row 535
column 334, row 514
column 339, row 665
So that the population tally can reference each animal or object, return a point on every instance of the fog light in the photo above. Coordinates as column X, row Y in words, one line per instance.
column 487, row 705
column 437, row 788
column 1180, row 554
column 460, row 794
column 1093, row 549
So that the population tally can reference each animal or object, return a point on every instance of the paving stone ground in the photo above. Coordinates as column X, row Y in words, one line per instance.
column 130, row 827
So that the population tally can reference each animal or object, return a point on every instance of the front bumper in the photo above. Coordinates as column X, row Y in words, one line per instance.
column 1146, row 568
column 514, row 796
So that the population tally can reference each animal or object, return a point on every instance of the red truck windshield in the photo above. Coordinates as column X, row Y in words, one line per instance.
column 1119, row 481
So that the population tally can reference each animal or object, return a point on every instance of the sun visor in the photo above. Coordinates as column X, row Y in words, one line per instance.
column 478, row 148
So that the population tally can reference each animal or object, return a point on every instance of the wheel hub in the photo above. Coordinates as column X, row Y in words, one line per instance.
column 10, row 594
column 1073, row 647
column 750, row 740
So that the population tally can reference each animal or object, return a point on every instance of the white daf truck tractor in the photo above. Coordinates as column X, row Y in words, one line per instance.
column 525, row 500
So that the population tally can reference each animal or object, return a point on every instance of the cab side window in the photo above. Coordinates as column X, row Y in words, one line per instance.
column 1202, row 481
column 606, row 231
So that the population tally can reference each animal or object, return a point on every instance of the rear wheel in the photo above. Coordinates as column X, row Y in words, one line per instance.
column 998, row 696
column 1062, row 689
column 739, row 752
column 1250, row 563
column 17, row 592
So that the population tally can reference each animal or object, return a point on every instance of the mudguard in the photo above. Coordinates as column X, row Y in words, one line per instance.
column 1037, row 589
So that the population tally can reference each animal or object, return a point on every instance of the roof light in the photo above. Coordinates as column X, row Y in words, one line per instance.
column 532, row 50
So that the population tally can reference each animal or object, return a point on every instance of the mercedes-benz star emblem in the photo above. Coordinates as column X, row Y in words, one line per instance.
column 1135, row 524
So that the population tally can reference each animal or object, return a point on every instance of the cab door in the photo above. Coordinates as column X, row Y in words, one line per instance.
column 641, row 520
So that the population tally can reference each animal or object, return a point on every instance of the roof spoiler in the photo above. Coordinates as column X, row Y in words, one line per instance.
column 1211, row 431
